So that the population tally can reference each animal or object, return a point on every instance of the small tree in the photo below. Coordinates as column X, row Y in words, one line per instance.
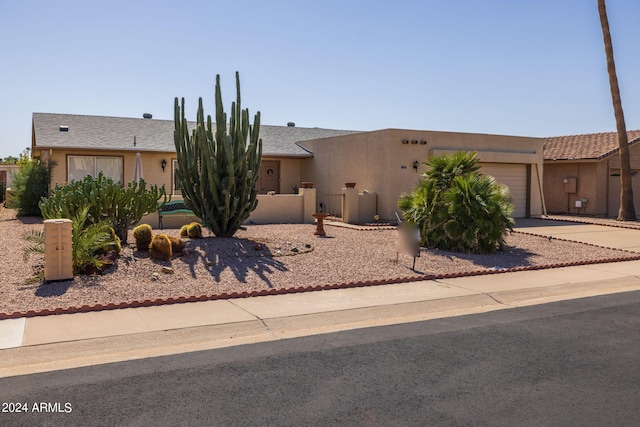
column 9, row 160
column 31, row 183
column 458, row 208
column 218, row 167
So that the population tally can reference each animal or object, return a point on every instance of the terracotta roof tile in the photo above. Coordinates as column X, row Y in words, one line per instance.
column 583, row 147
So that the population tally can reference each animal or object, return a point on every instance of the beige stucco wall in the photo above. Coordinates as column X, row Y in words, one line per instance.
column 10, row 170
column 379, row 161
column 151, row 165
column 593, row 183
column 289, row 175
column 279, row 209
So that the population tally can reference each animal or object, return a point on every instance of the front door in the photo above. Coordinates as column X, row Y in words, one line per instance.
column 269, row 179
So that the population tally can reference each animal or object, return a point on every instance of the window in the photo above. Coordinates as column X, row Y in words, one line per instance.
column 80, row 166
column 177, row 185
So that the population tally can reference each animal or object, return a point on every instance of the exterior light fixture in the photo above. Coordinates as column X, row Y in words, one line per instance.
column 415, row 165
column 163, row 163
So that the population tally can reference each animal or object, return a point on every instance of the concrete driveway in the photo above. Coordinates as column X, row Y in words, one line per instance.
column 601, row 235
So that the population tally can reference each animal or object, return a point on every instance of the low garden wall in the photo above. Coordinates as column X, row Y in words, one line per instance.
column 272, row 209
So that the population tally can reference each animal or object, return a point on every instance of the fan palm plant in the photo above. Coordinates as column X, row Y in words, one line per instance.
column 458, row 208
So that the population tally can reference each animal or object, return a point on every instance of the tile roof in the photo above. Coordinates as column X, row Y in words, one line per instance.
column 594, row 146
column 117, row 133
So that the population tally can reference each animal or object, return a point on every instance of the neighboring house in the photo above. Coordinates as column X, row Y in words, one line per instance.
column 582, row 173
column 6, row 174
column 385, row 162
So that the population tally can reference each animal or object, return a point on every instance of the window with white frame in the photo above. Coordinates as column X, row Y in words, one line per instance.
column 177, row 185
column 80, row 166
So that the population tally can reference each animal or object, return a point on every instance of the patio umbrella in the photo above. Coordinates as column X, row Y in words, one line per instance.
column 137, row 170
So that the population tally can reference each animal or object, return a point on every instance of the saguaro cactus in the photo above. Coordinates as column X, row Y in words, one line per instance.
column 218, row 166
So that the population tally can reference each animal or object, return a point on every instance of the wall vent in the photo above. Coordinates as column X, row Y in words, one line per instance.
column 64, row 128
column 291, row 124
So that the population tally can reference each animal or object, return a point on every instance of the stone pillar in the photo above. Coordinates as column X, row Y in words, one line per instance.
column 308, row 204
column 350, row 205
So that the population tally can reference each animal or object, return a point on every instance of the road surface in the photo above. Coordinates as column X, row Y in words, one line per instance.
column 567, row 363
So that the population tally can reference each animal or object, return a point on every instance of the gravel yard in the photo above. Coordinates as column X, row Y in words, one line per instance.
column 262, row 257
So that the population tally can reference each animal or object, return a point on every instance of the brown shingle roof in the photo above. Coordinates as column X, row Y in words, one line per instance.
column 583, row 147
column 118, row 133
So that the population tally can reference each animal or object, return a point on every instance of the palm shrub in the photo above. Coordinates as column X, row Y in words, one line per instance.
column 218, row 166
column 457, row 208
column 107, row 200
column 88, row 241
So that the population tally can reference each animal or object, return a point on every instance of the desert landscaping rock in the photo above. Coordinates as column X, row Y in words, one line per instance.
column 216, row 266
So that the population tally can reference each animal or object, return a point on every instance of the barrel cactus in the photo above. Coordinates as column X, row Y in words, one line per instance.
column 160, row 247
column 143, row 236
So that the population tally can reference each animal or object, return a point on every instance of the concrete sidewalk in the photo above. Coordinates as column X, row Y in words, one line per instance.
column 40, row 344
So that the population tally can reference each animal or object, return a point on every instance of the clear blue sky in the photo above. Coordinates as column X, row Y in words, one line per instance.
column 515, row 67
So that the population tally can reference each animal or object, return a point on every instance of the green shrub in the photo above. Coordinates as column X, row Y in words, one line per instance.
column 31, row 184
column 458, row 208
column 142, row 234
column 121, row 206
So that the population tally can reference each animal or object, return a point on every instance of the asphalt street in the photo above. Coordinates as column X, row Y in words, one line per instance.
column 570, row 363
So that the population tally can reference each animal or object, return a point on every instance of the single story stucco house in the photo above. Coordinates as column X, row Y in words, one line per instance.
column 6, row 174
column 384, row 163
column 582, row 173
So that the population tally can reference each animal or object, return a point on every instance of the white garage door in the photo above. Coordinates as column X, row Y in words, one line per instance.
column 513, row 176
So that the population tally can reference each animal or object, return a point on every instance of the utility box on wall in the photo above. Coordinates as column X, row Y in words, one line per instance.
column 58, row 255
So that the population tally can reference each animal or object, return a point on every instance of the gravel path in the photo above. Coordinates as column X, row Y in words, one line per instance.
column 290, row 256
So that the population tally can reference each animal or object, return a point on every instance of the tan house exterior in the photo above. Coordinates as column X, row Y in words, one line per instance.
column 383, row 164
column 389, row 162
column 582, row 173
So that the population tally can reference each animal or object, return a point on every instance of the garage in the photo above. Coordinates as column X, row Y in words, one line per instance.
column 514, row 176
